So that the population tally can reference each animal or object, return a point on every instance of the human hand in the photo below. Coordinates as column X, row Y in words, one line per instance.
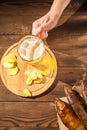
column 42, row 26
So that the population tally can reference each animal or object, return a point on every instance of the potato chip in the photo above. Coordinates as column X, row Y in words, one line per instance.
column 8, row 65
column 12, row 71
column 45, row 72
column 9, row 61
column 10, row 58
column 28, row 81
column 37, row 81
column 36, row 76
column 26, row 92
column 27, row 72
column 33, row 74
column 39, row 75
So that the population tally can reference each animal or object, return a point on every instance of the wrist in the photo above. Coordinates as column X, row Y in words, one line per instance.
column 58, row 7
column 54, row 13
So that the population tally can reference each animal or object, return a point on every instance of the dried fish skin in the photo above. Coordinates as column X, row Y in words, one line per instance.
column 77, row 104
column 68, row 117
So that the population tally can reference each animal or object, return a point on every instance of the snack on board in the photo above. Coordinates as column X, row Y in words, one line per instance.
column 68, row 117
column 10, row 58
column 29, row 81
column 39, row 74
column 35, row 76
column 12, row 71
column 37, row 81
column 45, row 72
column 17, row 83
column 26, row 92
column 8, row 65
column 10, row 62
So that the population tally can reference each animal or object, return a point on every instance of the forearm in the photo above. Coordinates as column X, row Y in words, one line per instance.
column 58, row 7
column 42, row 26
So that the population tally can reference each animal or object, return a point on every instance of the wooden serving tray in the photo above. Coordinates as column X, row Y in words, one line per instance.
column 16, row 83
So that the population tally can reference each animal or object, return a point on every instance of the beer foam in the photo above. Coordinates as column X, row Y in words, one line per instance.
column 31, row 48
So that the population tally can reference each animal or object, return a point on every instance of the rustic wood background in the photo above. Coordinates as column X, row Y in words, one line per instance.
column 69, row 44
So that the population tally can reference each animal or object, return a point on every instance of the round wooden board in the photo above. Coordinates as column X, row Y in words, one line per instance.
column 17, row 83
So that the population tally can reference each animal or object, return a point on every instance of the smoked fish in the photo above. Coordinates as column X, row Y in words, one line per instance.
column 77, row 103
column 68, row 117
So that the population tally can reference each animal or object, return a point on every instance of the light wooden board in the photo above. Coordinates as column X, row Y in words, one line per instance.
column 16, row 83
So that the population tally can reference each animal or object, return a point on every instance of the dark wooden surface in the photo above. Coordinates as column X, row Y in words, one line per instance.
column 69, row 44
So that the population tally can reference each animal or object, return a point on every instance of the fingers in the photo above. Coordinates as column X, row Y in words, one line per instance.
column 43, row 34
column 36, row 28
column 39, row 30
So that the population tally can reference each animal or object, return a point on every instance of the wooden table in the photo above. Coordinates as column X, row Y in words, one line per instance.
column 69, row 44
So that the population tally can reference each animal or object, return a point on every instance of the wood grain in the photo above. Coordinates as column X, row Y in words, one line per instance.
column 70, row 71
column 29, row 114
column 68, row 42
column 20, row 19
column 26, row 128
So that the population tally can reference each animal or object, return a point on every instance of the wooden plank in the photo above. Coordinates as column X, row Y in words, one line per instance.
column 70, row 70
column 24, row 2
column 18, row 20
column 6, row 95
column 14, row 25
column 24, row 7
column 26, row 128
column 28, row 114
column 72, row 45
column 18, row 24
column 65, row 75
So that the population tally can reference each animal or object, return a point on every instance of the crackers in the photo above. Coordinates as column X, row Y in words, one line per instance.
column 10, row 63
column 27, row 92
column 36, row 76
column 12, row 71
column 33, row 76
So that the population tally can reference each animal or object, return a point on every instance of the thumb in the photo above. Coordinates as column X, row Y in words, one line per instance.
column 37, row 31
